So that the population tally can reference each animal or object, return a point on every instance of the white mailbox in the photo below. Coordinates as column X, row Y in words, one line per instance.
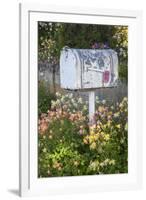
column 88, row 68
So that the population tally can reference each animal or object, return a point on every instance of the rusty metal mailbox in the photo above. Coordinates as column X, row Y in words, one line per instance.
column 88, row 68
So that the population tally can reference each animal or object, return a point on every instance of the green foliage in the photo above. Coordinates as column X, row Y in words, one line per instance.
column 123, row 73
column 69, row 145
column 44, row 98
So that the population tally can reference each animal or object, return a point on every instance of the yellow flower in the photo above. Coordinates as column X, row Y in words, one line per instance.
column 57, row 165
column 98, row 127
column 101, row 109
column 126, row 127
column 106, row 137
column 104, row 126
column 85, row 141
column 92, row 132
column 44, row 150
column 59, row 168
column 50, row 136
column 109, row 123
column 91, row 138
column 110, row 113
column 76, row 163
column 102, row 134
column 62, row 122
column 44, row 137
column 92, row 128
column 112, row 162
column 93, row 145
column 81, row 127
column 116, row 114
column 118, row 126
column 96, row 137
column 125, row 99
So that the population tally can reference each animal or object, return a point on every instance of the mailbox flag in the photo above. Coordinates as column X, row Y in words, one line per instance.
column 106, row 75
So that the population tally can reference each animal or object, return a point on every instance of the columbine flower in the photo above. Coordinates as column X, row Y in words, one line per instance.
column 112, row 107
column 84, row 107
column 93, row 145
column 116, row 114
column 109, row 123
column 70, row 95
column 97, row 98
column 76, row 163
column 59, row 168
column 80, row 100
column 81, row 131
column 81, row 127
column 43, row 127
column 125, row 99
column 126, row 127
column 50, row 136
column 44, row 150
column 85, row 140
column 118, row 126
column 101, row 109
column 109, row 117
column 106, row 137
column 58, row 94
column 112, row 162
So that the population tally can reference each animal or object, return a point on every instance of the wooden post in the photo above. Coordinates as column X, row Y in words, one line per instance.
column 91, row 105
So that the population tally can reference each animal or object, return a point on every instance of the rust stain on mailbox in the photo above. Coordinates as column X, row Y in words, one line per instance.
column 88, row 68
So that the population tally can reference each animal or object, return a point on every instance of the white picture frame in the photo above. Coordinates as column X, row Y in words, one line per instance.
column 29, row 184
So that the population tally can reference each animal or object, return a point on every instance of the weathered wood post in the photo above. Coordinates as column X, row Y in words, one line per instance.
column 88, row 70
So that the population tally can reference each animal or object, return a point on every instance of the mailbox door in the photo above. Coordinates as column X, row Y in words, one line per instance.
column 98, row 68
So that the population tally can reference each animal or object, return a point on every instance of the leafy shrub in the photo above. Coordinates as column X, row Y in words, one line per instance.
column 44, row 98
column 70, row 145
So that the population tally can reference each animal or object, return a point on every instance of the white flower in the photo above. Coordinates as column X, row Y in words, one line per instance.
column 69, row 96
column 73, row 101
column 97, row 98
column 84, row 107
column 112, row 162
column 75, row 105
column 116, row 114
column 57, row 102
column 53, row 103
column 62, row 98
column 44, row 150
column 103, row 101
column 80, row 100
column 57, row 94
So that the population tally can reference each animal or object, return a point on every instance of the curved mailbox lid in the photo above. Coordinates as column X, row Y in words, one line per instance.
column 70, row 69
column 89, row 68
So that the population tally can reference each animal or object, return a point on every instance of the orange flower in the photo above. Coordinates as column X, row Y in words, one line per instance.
column 43, row 127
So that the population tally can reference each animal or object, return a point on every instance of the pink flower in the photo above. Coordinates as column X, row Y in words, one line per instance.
column 81, row 131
